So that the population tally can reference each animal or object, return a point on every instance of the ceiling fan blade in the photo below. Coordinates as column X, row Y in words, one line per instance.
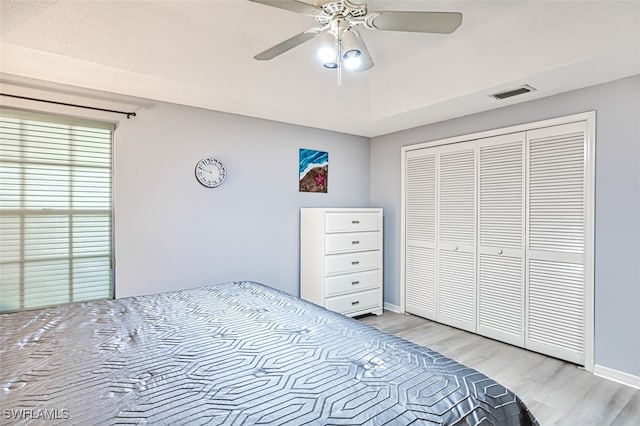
column 420, row 22
column 292, row 5
column 288, row 44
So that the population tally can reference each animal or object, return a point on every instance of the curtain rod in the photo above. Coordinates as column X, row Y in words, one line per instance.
column 128, row 114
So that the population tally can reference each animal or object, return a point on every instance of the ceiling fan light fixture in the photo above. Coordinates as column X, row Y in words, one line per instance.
column 328, row 51
column 352, row 63
column 327, row 54
column 351, row 44
column 366, row 61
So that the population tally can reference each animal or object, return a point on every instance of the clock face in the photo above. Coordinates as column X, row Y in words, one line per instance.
column 210, row 172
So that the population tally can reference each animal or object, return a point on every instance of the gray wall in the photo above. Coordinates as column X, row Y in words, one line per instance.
column 617, row 257
column 172, row 233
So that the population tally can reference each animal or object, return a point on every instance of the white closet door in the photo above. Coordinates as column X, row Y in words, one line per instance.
column 420, row 237
column 457, row 235
column 556, row 241
column 501, row 194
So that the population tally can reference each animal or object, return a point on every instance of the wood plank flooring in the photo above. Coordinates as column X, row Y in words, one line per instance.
column 557, row 392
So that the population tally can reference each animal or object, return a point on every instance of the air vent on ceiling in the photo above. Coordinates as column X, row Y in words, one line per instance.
column 515, row 92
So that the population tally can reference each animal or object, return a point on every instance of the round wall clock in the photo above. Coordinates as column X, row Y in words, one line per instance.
column 210, row 172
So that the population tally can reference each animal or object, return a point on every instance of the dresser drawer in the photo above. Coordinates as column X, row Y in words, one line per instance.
column 353, row 302
column 352, row 221
column 358, row 241
column 353, row 282
column 352, row 262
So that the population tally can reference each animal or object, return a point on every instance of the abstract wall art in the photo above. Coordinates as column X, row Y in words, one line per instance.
column 314, row 170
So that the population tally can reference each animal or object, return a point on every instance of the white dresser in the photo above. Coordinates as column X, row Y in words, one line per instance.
column 341, row 259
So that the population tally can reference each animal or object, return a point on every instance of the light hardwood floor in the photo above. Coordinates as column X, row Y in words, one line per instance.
column 556, row 392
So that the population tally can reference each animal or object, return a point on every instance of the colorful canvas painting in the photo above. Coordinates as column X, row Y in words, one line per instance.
column 314, row 170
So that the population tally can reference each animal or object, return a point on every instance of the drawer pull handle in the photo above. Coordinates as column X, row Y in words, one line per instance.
column 355, row 222
column 355, row 282
column 355, row 262
column 355, row 242
column 357, row 302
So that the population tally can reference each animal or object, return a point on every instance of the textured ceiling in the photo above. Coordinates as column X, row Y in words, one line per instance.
column 200, row 53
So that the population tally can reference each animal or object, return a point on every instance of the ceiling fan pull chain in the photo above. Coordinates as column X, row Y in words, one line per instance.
column 339, row 59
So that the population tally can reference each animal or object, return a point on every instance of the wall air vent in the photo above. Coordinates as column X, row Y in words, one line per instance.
column 515, row 92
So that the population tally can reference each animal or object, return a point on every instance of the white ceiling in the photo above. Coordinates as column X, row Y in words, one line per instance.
column 199, row 53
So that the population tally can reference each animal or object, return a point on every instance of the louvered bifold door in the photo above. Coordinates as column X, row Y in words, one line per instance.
column 501, row 238
column 420, row 226
column 556, row 241
column 457, row 235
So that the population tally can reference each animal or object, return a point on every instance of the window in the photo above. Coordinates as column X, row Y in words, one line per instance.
column 55, row 210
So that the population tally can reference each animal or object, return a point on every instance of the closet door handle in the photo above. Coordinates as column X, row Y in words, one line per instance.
column 499, row 251
column 456, row 248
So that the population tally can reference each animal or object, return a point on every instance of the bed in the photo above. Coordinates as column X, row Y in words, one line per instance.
column 237, row 353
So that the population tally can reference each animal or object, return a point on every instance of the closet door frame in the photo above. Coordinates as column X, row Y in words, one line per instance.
column 590, row 118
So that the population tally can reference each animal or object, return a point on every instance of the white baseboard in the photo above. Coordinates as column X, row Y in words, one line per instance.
column 617, row 376
column 391, row 307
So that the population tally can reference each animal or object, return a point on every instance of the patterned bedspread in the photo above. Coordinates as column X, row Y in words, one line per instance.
column 233, row 353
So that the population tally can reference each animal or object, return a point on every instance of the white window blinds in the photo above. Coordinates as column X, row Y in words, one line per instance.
column 55, row 210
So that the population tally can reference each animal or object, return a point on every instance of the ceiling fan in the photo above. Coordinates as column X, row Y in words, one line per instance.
column 341, row 44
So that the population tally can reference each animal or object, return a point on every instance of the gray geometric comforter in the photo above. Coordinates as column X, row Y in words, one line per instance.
column 232, row 354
